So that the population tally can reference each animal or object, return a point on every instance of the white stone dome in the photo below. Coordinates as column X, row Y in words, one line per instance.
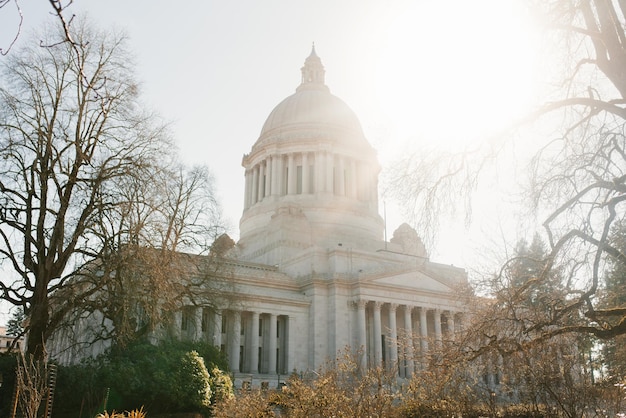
column 312, row 112
column 311, row 109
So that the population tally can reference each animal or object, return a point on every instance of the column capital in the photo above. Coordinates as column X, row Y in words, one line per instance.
column 359, row 303
column 377, row 305
column 393, row 307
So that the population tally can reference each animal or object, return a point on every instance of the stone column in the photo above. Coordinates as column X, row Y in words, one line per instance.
column 272, row 344
column 289, row 345
column 341, row 178
column 254, row 343
column 408, row 328
column 291, row 174
column 246, row 190
column 255, row 185
column 423, row 331
column 378, row 343
column 178, row 324
column 268, row 176
column 305, row 173
column 281, row 175
column 330, row 178
column 451, row 330
column 217, row 329
column 261, row 192
column 353, row 179
column 362, row 331
column 235, row 342
column 393, row 338
column 197, row 323
column 275, row 176
column 437, row 321
column 319, row 172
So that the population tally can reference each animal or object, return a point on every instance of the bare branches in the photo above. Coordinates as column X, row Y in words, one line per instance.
column 576, row 187
column 4, row 4
column 58, row 10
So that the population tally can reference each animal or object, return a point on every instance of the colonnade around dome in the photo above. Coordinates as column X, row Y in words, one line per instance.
column 305, row 173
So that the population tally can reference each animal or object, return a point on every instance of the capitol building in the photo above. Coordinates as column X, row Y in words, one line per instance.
column 312, row 274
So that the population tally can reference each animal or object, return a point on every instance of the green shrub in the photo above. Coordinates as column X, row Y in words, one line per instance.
column 221, row 385
column 170, row 377
column 8, row 362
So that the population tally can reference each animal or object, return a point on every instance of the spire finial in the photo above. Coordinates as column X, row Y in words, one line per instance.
column 313, row 72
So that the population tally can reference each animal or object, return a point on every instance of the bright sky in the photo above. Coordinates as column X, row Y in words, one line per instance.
column 427, row 72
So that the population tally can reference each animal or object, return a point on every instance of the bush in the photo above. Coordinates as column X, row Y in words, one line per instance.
column 171, row 377
column 8, row 362
column 221, row 386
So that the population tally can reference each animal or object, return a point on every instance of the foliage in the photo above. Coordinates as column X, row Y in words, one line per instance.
column 221, row 386
column 80, row 388
column 614, row 296
column 15, row 325
column 135, row 413
column 171, row 377
column 340, row 389
column 253, row 403
column 8, row 363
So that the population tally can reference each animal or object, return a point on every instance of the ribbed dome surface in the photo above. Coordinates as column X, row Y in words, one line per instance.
column 311, row 107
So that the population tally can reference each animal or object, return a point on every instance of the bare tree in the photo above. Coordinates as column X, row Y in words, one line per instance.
column 146, row 273
column 84, row 177
column 577, row 177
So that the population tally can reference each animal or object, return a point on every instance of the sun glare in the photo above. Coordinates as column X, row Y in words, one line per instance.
column 453, row 72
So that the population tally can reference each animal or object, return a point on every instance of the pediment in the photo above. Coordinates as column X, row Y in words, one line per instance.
column 412, row 280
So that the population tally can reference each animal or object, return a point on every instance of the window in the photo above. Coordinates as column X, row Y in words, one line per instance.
column 187, row 319
column 205, row 319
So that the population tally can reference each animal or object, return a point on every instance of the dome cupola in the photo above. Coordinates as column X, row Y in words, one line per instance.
column 313, row 73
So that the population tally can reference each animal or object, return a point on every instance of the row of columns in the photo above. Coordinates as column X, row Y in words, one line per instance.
column 306, row 173
column 245, row 336
column 369, row 318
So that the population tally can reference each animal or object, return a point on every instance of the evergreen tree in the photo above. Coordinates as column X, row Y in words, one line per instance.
column 614, row 296
column 530, row 275
column 15, row 325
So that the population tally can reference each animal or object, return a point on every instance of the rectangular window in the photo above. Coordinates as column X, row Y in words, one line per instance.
column 205, row 319
column 187, row 318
